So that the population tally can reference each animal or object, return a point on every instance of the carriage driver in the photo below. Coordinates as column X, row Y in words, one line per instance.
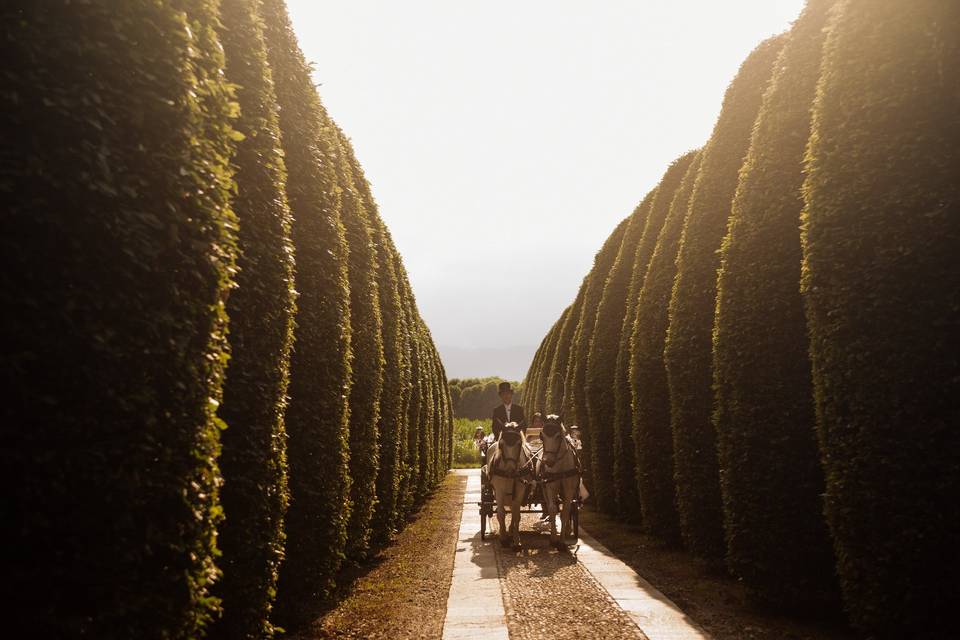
column 507, row 412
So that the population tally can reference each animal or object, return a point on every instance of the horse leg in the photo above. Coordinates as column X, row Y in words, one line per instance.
column 502, row 517
column 550, row 498
column 515, row 515
column 569, row 491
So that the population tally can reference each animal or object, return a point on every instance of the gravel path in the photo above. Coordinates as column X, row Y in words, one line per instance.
column 548, row 593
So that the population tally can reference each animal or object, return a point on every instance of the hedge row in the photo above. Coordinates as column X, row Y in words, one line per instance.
column 881, row 238
column 194, row 262
column 557, row 368
column 792, row 326
column 772, row 486
column 601, row 351
column 687, row 352
column 650, row 436
column 575, row 395
column 261, row 311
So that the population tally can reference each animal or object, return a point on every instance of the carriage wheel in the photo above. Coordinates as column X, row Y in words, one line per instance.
column 483, row 525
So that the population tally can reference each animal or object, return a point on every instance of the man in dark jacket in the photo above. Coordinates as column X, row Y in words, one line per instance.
column 507, row 412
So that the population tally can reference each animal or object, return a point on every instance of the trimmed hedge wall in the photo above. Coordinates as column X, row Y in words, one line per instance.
column 599, row 377
column 688, row 352
column 860, row 337
column 543, row 373
column 645, row 451
column 158, row 156
column 424, row 471
column 529, row 392
column 320, row 373
column 771, row 479
column 396, row 375
column 261, row 310
column 882, row 288
column 117, row 262
column 551, row 399
column 648, row 375
column 558, row 367
column 409, row 479
column 575, row 385
column 366, row 344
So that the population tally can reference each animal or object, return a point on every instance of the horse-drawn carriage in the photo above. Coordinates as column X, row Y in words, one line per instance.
column 538, row 473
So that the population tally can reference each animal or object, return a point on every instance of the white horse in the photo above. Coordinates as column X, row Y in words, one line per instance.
column 560, row 473
column 510, row 461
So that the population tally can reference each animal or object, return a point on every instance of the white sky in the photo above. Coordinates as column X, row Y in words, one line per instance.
column 505, row 140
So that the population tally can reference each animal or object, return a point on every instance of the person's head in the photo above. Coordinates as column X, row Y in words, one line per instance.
column 506, row 392
column 537, row 420
column 574, row 432
column 478, row 432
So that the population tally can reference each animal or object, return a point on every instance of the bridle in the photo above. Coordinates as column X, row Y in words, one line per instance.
column 563, row 450
column 502, row 457
column 563, row 447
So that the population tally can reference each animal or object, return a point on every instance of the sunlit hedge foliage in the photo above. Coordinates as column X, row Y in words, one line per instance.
column 117, row 260
column 602, row 353
column 882, row 289
column 771, row 480
column 688, row 352
column 649, row 447
column 261, row 309
column 575, row 386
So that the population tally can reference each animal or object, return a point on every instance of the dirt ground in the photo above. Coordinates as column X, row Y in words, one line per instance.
column 711, row 597
column 403, row 592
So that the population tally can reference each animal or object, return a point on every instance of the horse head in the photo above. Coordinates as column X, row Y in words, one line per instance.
column 553, row 439
column 510, row 448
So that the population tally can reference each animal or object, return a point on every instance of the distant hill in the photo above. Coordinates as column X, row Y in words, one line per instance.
column 507, row 362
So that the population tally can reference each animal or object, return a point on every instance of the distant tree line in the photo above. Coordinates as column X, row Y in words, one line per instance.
column 765, row 356
column 219, row 387
column 475, row 398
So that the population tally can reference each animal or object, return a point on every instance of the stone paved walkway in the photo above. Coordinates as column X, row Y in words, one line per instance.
column 539, row 592
column 546, row 590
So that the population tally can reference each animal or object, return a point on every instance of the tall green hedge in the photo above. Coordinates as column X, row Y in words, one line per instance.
column 439, row 403
column 527, row 396
column 543, row 374
column 545, row 368
column 396, row 374
column 558, row 366
column 688, row 351
column 436, row 418
column 534, row 383
column 366, row 344
column 319, row 368
column 644, row 467
column 116, row 261
column 601, row 368
column 422, row 425
column 253, row 459
column 575, row 384
column 407, row 356
column 411, row 457
column 882, row 289
column 771, row 478
column 647, row 372
column 523, row 393
column 449, row 425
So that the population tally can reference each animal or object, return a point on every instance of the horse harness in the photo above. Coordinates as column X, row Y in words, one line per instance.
column 526, row 471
